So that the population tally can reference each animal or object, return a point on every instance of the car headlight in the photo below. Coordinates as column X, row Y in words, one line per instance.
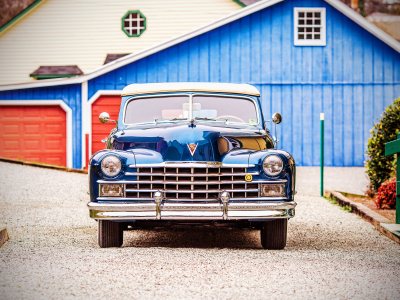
column 111, row 165
column 272, row 165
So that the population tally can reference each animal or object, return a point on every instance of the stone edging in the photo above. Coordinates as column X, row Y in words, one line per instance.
column 366, row 213
column 32, row 164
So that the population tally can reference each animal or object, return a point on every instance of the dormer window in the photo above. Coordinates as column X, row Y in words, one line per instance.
column 309, row 26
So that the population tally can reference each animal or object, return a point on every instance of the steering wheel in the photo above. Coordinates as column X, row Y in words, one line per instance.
column 229, row 116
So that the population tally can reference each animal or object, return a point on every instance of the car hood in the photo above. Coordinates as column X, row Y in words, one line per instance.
column 173, row 142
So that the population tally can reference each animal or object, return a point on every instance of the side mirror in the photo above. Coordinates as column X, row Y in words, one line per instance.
column 276, row 118
column 104, row 117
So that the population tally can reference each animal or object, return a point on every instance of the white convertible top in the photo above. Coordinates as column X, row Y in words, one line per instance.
column 151, row 88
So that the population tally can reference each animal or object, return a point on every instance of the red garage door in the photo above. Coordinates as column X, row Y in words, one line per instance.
column 100, row 131
column 34, row 133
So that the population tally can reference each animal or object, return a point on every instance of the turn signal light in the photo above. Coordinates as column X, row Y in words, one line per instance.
column 111, row 190
column 272, row 190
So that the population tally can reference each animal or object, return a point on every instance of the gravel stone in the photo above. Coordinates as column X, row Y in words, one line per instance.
column 53, row 253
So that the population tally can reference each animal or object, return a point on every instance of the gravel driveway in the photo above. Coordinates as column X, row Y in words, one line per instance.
column 53, row 252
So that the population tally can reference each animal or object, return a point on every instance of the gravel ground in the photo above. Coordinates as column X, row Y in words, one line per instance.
column 53, row 254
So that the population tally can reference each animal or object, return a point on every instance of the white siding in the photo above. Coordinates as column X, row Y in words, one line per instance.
column 83, row 32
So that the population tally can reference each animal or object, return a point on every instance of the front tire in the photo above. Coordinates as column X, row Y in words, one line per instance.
column 274, row 234
column 111, row 234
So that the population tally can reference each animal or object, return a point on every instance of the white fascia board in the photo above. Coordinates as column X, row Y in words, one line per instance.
column 364, row 23
column 63, row 105
column 343, row 8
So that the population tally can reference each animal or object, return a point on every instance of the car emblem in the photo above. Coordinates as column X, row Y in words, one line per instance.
column 192, row 147
column 248, row 177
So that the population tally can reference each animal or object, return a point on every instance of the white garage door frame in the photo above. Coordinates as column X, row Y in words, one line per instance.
column 60, row 103
column 87, row 118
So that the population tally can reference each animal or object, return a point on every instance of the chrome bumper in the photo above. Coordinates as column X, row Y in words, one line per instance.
column 249, row 210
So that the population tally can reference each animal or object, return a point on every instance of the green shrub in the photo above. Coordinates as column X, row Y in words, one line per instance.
column 379, row 167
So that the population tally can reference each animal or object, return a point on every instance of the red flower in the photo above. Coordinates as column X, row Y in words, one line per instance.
column 386, row 196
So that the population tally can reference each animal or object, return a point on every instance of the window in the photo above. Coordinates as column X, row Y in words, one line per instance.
column 133, row 23
column 309, row 26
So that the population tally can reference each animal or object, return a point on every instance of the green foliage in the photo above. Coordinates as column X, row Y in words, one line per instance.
column 380, row 168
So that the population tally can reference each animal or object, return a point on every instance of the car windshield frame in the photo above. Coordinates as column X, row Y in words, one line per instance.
column 190, row 117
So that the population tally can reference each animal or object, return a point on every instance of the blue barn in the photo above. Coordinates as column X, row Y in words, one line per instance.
column 305, row 57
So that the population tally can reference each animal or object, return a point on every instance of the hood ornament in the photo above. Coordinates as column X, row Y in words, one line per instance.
column 192, row 147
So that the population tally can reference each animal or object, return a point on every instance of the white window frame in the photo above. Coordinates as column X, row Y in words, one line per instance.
column 320, row 42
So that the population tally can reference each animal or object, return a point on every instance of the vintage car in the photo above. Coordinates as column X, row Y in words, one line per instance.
column 191, row 153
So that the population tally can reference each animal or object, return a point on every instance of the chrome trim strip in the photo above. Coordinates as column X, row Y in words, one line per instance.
column 237, row 206
column 233, row 200
column 240, row 215
column 189, row 182
column 189, row 175
column 192, row 164
column 138, row 206
column 193, row 182
column 190, row 191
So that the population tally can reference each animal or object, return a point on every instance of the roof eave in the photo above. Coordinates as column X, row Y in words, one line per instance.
column 383, row 36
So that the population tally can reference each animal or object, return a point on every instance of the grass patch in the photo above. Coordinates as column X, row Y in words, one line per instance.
column 334, row 202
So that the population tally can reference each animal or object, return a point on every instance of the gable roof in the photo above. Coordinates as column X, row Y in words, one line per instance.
column 343, row 8
column 20, row 15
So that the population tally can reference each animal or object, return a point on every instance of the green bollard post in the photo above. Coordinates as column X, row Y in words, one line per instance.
column 393, row 147
column 322, row 153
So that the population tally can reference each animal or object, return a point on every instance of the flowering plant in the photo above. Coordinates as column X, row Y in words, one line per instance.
column 387, row 194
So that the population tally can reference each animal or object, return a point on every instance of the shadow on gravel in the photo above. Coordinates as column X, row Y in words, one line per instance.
column 194, row 237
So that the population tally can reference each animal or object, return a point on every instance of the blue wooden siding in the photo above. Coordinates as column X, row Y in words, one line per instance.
column 352, row 79
column 71, row 95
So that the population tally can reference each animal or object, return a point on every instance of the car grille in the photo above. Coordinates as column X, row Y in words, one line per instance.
column 191, row 183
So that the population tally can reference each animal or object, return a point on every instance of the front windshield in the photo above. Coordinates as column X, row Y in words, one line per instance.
column 146, row 110
column 233, row 110
column 206, row 108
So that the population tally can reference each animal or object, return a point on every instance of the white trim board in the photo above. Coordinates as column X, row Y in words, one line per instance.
column 63, row 105
column 88, row 109
column 343, row 8
column 84, row 99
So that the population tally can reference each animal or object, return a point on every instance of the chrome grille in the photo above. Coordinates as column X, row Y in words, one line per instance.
column 191, row 183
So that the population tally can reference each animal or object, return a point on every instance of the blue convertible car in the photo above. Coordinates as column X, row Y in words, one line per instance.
column 191, row 153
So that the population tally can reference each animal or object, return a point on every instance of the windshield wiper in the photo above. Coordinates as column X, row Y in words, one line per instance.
column 168, row 119
column 211, row 119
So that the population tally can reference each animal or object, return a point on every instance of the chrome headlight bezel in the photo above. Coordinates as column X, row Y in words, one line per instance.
column 111, row 161
column 272, row 165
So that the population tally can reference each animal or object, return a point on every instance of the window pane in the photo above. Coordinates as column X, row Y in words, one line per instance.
column 309, row 15
column 301, row 36
column 237, row 110
column 301, row 22
column 301, row 14
column 301, row 29
column 309, row 36
column 317, row 15
column 147, row 109
column 317, row 37
column 317, row 22
column 309, row 22
column 317, row 29
column 309, row 29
